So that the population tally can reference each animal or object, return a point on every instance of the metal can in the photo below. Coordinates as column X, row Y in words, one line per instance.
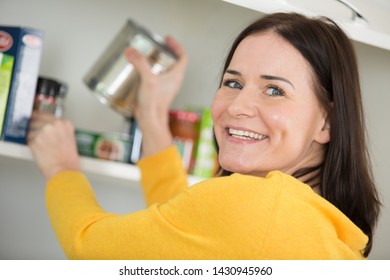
column 108, row 146
column 114, row 80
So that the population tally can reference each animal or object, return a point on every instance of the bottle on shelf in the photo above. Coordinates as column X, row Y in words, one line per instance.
column 49, row 96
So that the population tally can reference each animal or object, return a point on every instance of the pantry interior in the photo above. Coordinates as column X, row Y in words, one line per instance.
column 76, row 33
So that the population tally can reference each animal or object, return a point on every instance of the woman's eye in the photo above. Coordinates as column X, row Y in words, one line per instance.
column 232, row 84
column 274, row 91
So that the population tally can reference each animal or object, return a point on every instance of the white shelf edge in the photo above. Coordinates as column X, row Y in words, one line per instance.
column 17, row 151
column 355, row 30
column 112, row 169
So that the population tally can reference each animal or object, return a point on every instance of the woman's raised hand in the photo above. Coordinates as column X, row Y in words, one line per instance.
column 155, row 96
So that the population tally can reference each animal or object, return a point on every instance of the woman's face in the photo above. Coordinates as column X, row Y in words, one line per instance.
column 266, row 114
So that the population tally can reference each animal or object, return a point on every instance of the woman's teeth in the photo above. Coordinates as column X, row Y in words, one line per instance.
column 246, row 135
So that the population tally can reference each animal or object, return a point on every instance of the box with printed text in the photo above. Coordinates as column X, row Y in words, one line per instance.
column 20, row 56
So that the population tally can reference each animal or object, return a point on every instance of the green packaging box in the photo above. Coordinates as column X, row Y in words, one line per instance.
column 6, row 66
column 205, row 155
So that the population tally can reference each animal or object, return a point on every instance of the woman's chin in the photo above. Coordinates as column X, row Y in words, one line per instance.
column 235, row 168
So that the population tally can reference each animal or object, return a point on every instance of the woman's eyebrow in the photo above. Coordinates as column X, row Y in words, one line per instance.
column 270, row 78
column 265, row 77
column 233, row 72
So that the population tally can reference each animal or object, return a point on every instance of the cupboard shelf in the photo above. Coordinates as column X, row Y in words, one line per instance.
column 375, row 31
column 111, row 169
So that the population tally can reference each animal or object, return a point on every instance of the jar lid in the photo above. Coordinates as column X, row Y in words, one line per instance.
column 45, row 86
column 50, row 87
column 184, row 115
column 62, row 89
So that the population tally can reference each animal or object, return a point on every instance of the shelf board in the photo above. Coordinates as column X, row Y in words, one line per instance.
column 107, row 168
column 371, row 32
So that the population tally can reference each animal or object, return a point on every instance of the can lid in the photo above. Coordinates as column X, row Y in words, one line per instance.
column 156, row 38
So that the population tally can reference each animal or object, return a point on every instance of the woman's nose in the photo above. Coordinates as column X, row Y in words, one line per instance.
column 244, row 104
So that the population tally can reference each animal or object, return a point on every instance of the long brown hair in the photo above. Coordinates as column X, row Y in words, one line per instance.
column 345, row 176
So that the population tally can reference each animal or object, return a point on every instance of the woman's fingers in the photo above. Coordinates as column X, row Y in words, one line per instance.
column 178, row 50
column 37, row 122
column 139, row 61
column 156, row 92
column 54, row 148
column 174, row 46
column 142, row 65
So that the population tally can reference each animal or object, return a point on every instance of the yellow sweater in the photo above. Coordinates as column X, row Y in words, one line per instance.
column 234, row 217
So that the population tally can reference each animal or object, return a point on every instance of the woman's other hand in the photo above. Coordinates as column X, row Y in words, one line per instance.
column 53, row 144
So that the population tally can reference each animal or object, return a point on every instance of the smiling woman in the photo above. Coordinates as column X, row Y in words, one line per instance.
column 272, row 95
column 269, row 95
column 296, row 180
column 319, row 89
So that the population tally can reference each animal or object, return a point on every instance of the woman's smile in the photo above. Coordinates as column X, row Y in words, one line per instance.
column 245, row 134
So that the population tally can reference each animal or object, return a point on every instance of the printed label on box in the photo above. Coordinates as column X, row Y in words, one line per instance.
column 6, row 66
column 25, row 46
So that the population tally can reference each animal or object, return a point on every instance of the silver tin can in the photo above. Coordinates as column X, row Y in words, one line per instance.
column 114, row 80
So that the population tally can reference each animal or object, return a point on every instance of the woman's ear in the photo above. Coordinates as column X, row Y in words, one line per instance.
column 323, row 136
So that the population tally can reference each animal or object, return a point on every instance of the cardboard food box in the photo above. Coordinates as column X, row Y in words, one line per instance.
column 206, row 161
column 20, row 49
column 6, row 66
column 135, row 134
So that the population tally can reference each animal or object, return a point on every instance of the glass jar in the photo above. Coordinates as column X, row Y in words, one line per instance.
column 60, row 100
column 184, row 126
column 49, row 96
column 45, row 96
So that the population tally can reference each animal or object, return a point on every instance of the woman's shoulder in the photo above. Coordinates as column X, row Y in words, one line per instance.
column 274, row 208
column 239, row 191
column 276, row 191
column 274, row 181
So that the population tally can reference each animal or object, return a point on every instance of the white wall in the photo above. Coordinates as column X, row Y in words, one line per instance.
column 78, row 31
column 375, row 79
column 25, row 231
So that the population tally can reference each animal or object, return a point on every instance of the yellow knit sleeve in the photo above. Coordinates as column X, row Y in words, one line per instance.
column 86, row 231
column 202, row 222
column 234, row 217
column 162, row 176
column 72, row 208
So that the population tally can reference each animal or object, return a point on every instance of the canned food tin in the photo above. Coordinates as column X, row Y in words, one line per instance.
column 114, row 80
column 108, row 146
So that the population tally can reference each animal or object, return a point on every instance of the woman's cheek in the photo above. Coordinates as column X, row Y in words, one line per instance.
column 217, row 108
column 276, row 119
